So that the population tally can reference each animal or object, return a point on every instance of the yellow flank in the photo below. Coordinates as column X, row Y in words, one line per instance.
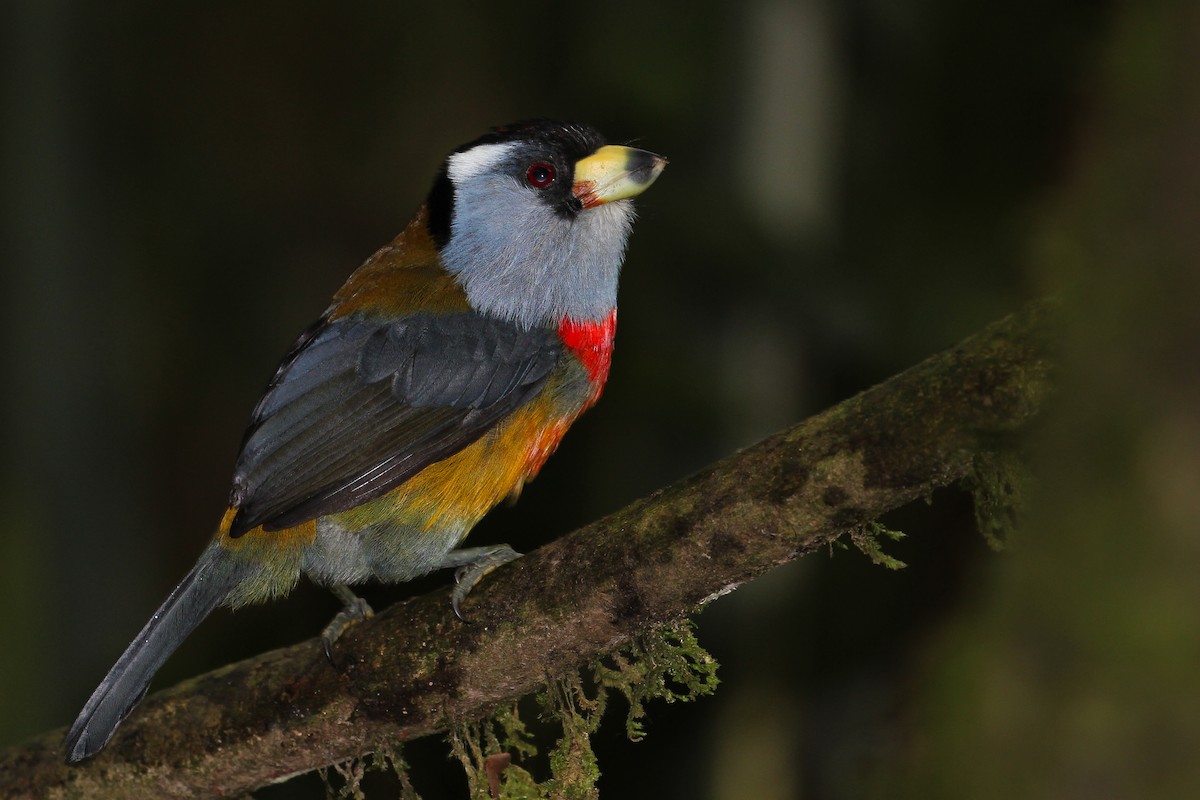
column 454, row 493
column 458, row 491
column 401, row 278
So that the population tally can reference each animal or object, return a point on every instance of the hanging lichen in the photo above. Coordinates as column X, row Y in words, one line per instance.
column 997, row 484
column 352, row 772
column 667, row 663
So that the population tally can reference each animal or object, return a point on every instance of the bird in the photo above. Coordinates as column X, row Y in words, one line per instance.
column 440, row 378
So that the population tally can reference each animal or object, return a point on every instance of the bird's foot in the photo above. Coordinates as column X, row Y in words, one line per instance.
column 471, row 564
column 356, row 610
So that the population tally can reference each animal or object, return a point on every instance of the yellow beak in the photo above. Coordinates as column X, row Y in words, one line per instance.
column 614, row 173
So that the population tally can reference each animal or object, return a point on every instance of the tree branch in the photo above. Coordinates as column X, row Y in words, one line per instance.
column 414, row 669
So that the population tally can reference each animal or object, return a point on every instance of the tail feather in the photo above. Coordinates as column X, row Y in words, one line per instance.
column 209, row 582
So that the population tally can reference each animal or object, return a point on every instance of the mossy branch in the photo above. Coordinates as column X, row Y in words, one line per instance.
column 415, row 670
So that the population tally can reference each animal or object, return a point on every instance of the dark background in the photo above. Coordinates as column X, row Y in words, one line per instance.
column 853, row 186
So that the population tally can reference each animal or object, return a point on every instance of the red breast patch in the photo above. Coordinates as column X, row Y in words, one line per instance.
column 592, row 344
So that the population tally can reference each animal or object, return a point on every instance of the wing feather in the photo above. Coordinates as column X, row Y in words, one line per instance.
column 361, row 405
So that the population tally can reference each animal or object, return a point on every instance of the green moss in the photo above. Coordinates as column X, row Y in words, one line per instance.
column 866, row 539
column 667, row 663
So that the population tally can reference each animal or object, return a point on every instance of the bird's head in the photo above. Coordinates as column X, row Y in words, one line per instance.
column 532, row 219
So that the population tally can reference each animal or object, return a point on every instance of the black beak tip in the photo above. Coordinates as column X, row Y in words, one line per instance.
column 644, row 166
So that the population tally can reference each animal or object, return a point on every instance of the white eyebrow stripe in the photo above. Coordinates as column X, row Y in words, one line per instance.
column 479, row 159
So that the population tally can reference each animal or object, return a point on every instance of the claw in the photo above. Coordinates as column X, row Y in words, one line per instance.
column 356, row 610
column 471, row 565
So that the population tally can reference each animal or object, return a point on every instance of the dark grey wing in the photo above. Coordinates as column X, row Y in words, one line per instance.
column 359, row 406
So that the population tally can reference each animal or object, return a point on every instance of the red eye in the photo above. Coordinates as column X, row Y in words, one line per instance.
column 540, row 175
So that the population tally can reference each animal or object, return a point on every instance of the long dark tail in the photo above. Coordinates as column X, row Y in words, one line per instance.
column 209, row 582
